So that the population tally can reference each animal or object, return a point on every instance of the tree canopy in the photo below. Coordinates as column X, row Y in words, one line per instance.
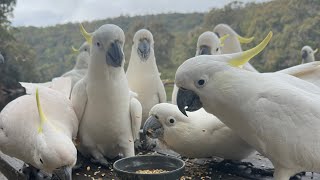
column 294, row 23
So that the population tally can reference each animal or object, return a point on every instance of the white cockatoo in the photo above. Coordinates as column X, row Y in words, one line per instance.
column 307, row 54
column 275, row 113
column 110, row 117
column 208, row 44
column 232, row 43
column 81, row 66
column 200, row 135
column 39, row 129
column 142, row 73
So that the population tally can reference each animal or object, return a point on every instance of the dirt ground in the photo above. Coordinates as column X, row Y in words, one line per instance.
column 202, row 169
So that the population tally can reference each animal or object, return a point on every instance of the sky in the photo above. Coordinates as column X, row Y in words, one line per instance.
column 50, row 12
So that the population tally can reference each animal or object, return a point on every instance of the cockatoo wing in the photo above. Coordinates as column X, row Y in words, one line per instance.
column 308, row 72
column 161, row 93
column 136, row 117
column 63, row 85
column 79, row 98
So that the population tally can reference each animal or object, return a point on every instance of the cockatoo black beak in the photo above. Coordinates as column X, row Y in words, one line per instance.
column 204, row 50
column 64, row 173
column 114, row 55
column 304, row 54
column 189, row 99
column 144, row 49
column 153, row 128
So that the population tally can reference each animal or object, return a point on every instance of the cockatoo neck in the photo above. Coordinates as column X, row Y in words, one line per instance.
column 82, row 61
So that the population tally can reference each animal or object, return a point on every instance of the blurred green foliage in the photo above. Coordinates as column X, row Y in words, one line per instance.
column 295, row 23
column 19, row 58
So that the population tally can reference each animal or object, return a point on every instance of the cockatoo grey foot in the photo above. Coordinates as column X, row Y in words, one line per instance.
column 101, row 161
column 33, row 173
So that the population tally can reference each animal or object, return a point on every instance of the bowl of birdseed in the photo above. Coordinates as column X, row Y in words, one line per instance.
column 149, row 167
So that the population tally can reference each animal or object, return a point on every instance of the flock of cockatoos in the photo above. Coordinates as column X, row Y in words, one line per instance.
column 98, row 108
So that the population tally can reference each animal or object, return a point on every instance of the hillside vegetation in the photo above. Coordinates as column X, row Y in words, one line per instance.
column 295, row 23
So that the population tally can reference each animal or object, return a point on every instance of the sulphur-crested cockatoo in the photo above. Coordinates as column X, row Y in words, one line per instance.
column 307, row 54
column 110, row 118
column 275, row 113
column 208, row 44
column 81, row 67
column 200, row 135
column 142, row 73
column 39, row 129
column 232, row 43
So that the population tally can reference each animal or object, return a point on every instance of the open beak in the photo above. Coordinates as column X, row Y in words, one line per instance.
column 189, row 99
column 64, row 173
column 153, row 128
column 144, row 49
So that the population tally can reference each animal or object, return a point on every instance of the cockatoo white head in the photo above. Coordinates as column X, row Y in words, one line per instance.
column 106, row 45
column 232, row 44
column 83, row 56
column 223, row 29
column 307, row 54
column 143, row 43
column 164, row 121
column 195, row 76
column 55, row 151
column 209, row 44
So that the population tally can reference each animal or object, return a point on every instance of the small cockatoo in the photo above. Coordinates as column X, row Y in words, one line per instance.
column 142, row 73
column 109, row 115
column 200, row 135
column 275, row 113
column 208, row 44
column 81, row 66
column 39, row 129
column 232, row 43
column 307, row 54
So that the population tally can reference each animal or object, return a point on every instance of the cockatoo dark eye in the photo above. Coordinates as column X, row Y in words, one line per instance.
column 171, row 121
column 201, row 82
column 85, row 49
column 156, row 116
column 217, row 49
column 98, row 44
column 41, row 161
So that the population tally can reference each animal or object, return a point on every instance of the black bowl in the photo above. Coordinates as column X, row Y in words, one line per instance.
column 126, row 168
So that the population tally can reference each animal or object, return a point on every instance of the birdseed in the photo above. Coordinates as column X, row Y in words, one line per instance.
column 151, row 171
